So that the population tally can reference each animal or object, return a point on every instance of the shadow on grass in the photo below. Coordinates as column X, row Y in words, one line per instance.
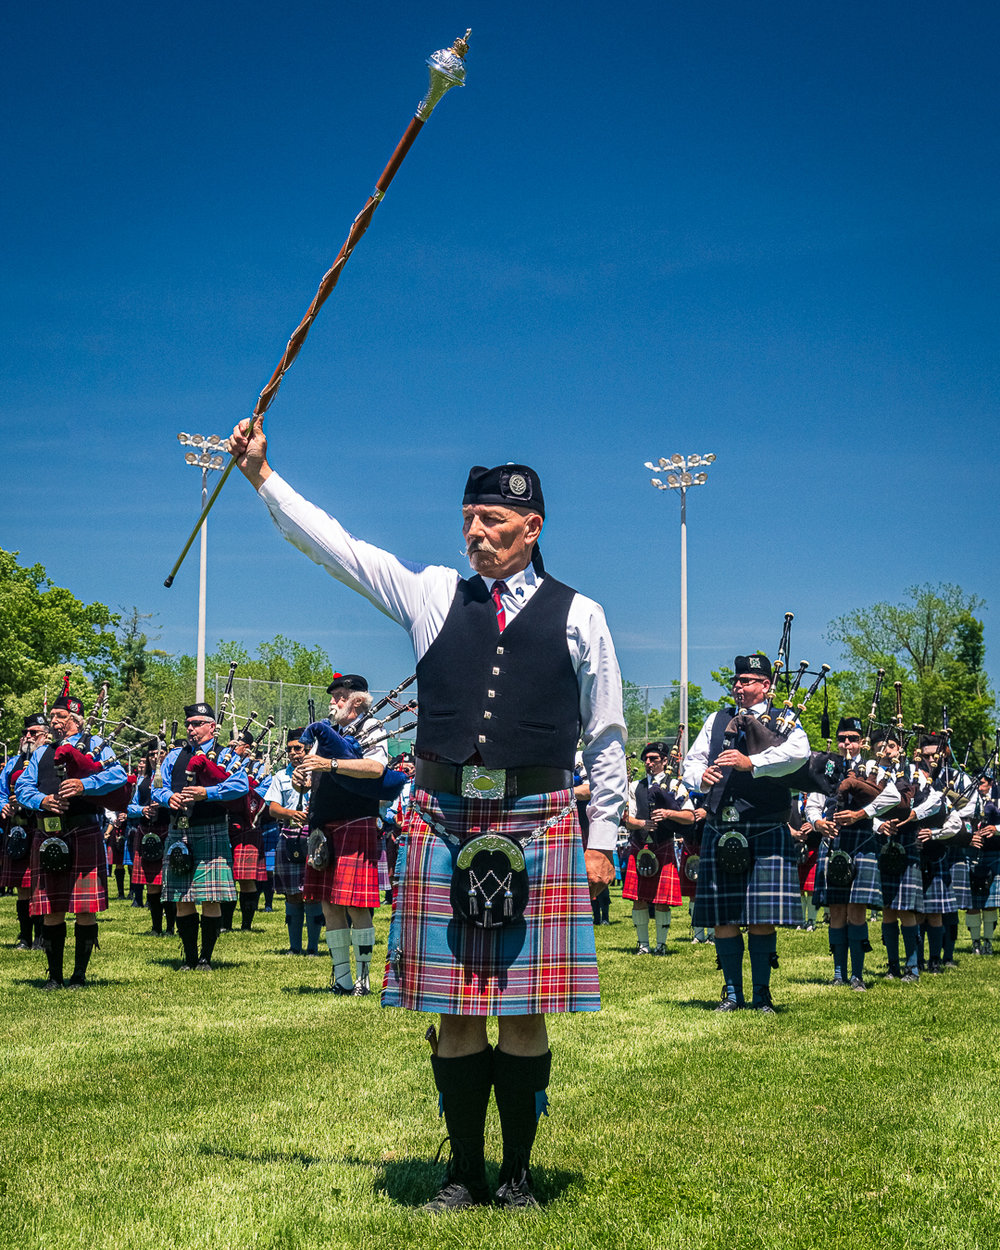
column 314, row 989
column 412, row 1182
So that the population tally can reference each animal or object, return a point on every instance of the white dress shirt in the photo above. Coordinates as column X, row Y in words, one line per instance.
column 419, row 597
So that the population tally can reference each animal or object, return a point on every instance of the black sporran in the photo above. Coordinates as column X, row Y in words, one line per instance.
column 54, row 855
column 691, row 866
column 180, row 858
column 733, row 854
column 18, row 844
column 893, row 857
column 294, row 847
column 489, row 883
column 646, row 863
column 840, row 870
column 151, row 848
column 318, row 850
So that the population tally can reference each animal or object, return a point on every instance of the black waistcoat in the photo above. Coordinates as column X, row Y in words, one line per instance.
column 513, row 697
column 47, row 780
column 755, row 798
column 201, row 813
column 330, row 801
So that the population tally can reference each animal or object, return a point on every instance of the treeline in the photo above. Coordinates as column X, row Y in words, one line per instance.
column 932, row 643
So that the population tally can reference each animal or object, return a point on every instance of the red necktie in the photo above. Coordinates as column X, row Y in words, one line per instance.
column 498, row 589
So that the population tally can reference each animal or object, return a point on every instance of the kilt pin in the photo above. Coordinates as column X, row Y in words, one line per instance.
column 212, row 878
column 350, row 879
column 83, row 887
column 768, row 893
column 545, row 962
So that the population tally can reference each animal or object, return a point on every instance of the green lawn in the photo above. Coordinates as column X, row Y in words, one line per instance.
column 249, row 1108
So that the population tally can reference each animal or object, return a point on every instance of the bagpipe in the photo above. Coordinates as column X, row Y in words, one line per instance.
column 330, row 743
column 79, row 764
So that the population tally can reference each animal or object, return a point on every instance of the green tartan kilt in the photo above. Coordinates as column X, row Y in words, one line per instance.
column 212, row 879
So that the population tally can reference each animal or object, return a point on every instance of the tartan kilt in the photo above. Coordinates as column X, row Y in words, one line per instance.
column 866, row 888
column 15, row 875
column 81, row 888
column 383, row 866
column 939, row 897
column 350, row 879
column 993, row 897
column 212, row 879
column 767, row 894
column 689, row 888
column 146, row 874
column 981, row 884
column 807, row 871
column 544, row 962
column 289, row 874
column 961, row 882
column 663, row 890
column 249, row 863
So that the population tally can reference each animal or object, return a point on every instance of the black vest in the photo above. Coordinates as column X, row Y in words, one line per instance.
column 47, row 780
column 330, row 801
column 513, row 698
column 755, row 798
column 201, row 813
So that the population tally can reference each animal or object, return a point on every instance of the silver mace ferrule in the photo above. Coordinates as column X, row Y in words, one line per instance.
column 447, row 69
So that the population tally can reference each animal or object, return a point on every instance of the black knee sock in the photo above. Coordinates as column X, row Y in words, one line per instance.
column 170, row 913
column 226, row 920
column 519, row 1087
column 137, row 895
column 54, row 942
column 86, row 940
column 268, row 890
column 156, row 912
column 248, row 905
column 464, row 1085
column 24, row 920
column 39, row 926
column 120, row 881
column 209, row 933
column 187, row 931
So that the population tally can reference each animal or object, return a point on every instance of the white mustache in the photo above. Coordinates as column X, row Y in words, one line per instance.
column 480, row 546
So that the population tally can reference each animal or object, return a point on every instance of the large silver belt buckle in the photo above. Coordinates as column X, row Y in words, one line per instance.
column 483, row 783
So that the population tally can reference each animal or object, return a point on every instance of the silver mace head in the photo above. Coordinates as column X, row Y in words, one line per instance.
column 447, row 69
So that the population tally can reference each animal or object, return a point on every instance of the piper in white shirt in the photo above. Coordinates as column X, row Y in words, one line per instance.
column 513, row 668
column 747, row 797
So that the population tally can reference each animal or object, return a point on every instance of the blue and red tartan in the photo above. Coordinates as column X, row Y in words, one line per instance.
column 350, row 879
column 768, row 893
column 544, row 962
column 83, row 887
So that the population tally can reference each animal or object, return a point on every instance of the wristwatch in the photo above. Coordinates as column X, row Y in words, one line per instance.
column 334, row 765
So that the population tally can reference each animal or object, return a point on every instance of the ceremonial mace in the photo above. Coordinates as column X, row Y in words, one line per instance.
column 447, row 70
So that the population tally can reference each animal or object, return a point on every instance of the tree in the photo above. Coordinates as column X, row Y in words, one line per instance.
column 45, row 630
column 933, row 644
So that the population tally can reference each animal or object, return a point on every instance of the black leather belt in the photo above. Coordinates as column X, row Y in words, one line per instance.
column 518, row 782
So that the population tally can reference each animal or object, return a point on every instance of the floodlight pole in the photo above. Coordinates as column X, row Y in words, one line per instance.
column 680, row 478
column 208, row 460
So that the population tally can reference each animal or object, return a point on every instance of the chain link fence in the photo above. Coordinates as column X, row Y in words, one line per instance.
column 288, row 703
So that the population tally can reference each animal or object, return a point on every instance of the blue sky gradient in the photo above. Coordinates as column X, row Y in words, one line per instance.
column 765, row 231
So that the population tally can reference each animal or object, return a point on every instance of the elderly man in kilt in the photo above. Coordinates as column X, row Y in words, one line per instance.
column 751, row 801
column 17, row 828
column 201, row 824
column 846, row 821
column 72, row 810
column 347, row 885
column 513, row 669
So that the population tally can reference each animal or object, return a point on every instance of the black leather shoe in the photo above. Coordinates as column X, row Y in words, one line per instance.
column 763, row 1003
column 76, row 983
column 454, row 1196
column 517, row 1194
column 51, row 984
column 728, row 1004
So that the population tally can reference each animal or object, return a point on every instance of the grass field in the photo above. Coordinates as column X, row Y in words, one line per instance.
column 250, row 1108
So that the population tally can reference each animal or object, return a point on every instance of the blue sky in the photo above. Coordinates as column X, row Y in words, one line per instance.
column 766, row 231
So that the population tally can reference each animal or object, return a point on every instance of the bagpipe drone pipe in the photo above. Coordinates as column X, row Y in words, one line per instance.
column 242, row 809
column 79, row 764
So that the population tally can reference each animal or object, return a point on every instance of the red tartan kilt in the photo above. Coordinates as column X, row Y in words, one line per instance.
column 249, row 863
column 81, row 888
column 14, row 876
column 807, row 872
column 351, row 877
column 141, row 875
column 663, row 890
